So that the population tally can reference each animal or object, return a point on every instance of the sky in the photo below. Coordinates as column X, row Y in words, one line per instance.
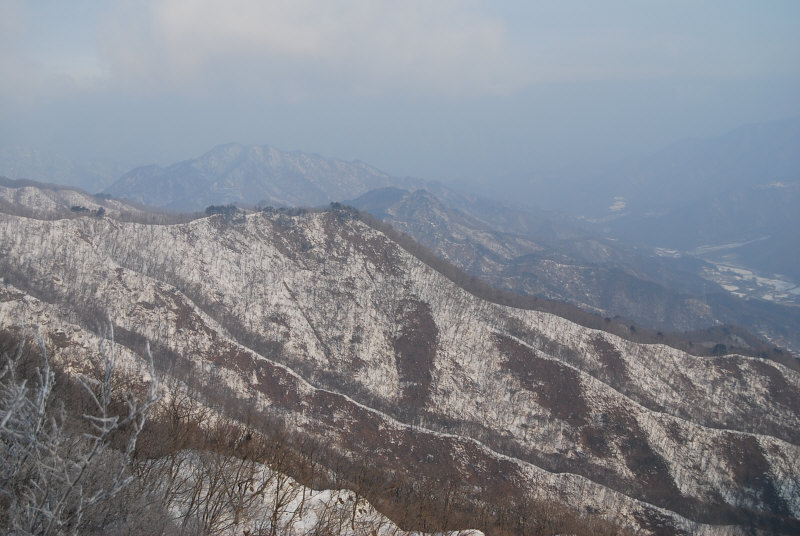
column 495, row 93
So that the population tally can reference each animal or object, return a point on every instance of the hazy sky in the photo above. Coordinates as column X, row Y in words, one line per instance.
column 445, row 90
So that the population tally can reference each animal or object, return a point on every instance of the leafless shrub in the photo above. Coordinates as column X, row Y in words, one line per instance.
column 53, row 480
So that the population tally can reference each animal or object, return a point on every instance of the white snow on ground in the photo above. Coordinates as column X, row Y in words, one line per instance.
column 267, row 499
column 746, row 283
column 318, row 303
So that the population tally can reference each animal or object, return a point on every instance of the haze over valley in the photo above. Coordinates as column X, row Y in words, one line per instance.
column 452, row 268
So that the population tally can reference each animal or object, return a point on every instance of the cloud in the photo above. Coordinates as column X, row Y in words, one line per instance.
column 17, row 75
column 291, row 47
column 39, row 62
column 302, row 49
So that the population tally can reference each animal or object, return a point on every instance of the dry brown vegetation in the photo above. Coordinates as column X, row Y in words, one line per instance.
column 700, row 342
column 195, row 458
column 413, row 476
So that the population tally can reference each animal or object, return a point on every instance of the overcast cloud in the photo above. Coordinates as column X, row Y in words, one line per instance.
column 444, row 90
column 299, row 49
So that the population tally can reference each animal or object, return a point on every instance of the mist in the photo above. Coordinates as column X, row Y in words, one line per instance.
column 504, row 99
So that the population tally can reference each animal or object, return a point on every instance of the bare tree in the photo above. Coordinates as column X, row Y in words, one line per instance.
column 52, row 478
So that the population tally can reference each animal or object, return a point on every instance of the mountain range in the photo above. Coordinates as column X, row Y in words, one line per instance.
column 343, row 332
column 726, row 261
column 560, row 261
column 632, row 368
column 730, row 199
column 683, row 173
column 235, row 173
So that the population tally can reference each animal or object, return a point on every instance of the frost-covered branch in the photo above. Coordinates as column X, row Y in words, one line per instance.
column 50, row 476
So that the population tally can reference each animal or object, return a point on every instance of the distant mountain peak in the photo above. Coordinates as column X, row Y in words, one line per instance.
column 251, row 174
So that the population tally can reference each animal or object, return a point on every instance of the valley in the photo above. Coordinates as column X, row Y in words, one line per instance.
column 279, row 268
column 323, row 322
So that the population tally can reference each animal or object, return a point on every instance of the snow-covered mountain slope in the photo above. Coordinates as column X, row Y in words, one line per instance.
column 34, row 199
column 590, row 272
column 324, row 321
column 179, row 484
column 250, row 175
column 512, row 247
